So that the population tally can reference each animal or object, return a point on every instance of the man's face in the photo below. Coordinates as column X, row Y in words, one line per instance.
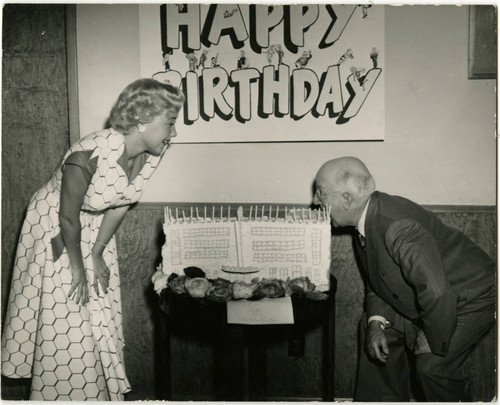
column 329, row 198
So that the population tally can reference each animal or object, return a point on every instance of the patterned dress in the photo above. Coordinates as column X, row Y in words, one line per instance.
column 72, row 352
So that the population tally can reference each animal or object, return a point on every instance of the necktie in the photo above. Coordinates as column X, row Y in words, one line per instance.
column 360, row 252
column 362, row 241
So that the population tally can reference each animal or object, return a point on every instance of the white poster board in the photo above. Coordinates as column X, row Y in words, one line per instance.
column 270, row 73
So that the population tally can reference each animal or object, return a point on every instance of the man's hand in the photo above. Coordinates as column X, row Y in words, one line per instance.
column 376, row 342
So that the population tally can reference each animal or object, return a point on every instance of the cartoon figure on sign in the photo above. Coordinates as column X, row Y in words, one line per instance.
column 228, row 13
column 364, row 9
column 280, row 53
column 374, row 56
column 357, row 73
column 203, row 58
column 167, row 75
column 192, row 60
column 303, row 60
column 269, row 54
column 347, row 55
column 213, row 61
column 242, row 61
column 166, row 59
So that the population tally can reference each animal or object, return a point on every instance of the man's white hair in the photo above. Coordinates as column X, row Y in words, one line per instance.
column 352, row 175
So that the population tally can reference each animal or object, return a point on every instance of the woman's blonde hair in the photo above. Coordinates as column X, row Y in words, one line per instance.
column 141, row 101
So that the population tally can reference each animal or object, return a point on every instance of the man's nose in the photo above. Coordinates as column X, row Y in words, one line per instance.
column 173, row 132
column 316, row 200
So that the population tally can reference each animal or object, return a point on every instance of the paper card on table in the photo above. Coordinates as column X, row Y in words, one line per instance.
column 263, row 312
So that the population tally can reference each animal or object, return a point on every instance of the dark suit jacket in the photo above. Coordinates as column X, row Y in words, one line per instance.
column 422, row 269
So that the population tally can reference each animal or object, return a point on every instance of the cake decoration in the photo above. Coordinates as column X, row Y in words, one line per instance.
column 270, row 243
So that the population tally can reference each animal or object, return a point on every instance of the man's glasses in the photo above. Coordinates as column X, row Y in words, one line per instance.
column 321, row 194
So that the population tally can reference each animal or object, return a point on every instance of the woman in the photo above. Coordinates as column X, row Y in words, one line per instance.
column 63, row 325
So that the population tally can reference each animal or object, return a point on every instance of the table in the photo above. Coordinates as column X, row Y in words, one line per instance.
column 237, row 361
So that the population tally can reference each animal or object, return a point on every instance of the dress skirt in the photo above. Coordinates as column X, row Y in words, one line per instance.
column 70, row 352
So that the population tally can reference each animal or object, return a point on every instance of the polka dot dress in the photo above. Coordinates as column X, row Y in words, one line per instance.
column 71, row 352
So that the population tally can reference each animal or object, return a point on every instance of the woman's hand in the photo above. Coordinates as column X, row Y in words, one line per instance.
column 79, row 291
column 376, row 342
column 101, row 273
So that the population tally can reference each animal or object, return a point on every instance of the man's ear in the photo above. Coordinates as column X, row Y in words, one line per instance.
column 347, row 200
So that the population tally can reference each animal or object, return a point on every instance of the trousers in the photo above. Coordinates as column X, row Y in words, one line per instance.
column 440, row 379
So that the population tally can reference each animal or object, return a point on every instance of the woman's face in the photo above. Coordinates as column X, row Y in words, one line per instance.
column 159, row 131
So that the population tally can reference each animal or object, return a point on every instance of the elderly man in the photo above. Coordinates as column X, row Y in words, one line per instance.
column 429, row 289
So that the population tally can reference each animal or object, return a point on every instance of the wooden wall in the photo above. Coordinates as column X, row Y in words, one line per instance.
column 139, row 241
column 34, row 119
column 34, row 111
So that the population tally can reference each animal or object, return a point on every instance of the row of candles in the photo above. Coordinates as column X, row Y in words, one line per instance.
column 320, row 215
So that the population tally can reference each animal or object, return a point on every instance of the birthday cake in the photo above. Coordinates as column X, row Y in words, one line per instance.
column 284, row 244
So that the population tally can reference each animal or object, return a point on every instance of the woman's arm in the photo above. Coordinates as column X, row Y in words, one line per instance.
column 73, row 189
column 110, row 223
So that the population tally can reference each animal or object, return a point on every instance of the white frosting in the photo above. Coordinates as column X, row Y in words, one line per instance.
column 239, row 248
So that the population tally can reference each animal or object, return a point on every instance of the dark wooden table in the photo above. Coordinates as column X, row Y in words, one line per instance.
column 239, row 353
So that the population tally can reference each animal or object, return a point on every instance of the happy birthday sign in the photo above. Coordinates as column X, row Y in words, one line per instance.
column 278, row 72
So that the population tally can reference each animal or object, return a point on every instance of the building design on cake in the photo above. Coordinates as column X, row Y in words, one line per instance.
column 296, row 244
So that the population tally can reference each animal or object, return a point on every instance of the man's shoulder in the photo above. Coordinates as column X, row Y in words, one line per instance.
column 391, row 198
column 395, row 204
column 389, row 208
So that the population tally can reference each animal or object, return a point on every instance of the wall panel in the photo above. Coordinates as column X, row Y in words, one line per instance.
column 34, row 120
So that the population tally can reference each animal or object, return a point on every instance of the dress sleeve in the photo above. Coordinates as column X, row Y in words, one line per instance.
column 84, row 162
